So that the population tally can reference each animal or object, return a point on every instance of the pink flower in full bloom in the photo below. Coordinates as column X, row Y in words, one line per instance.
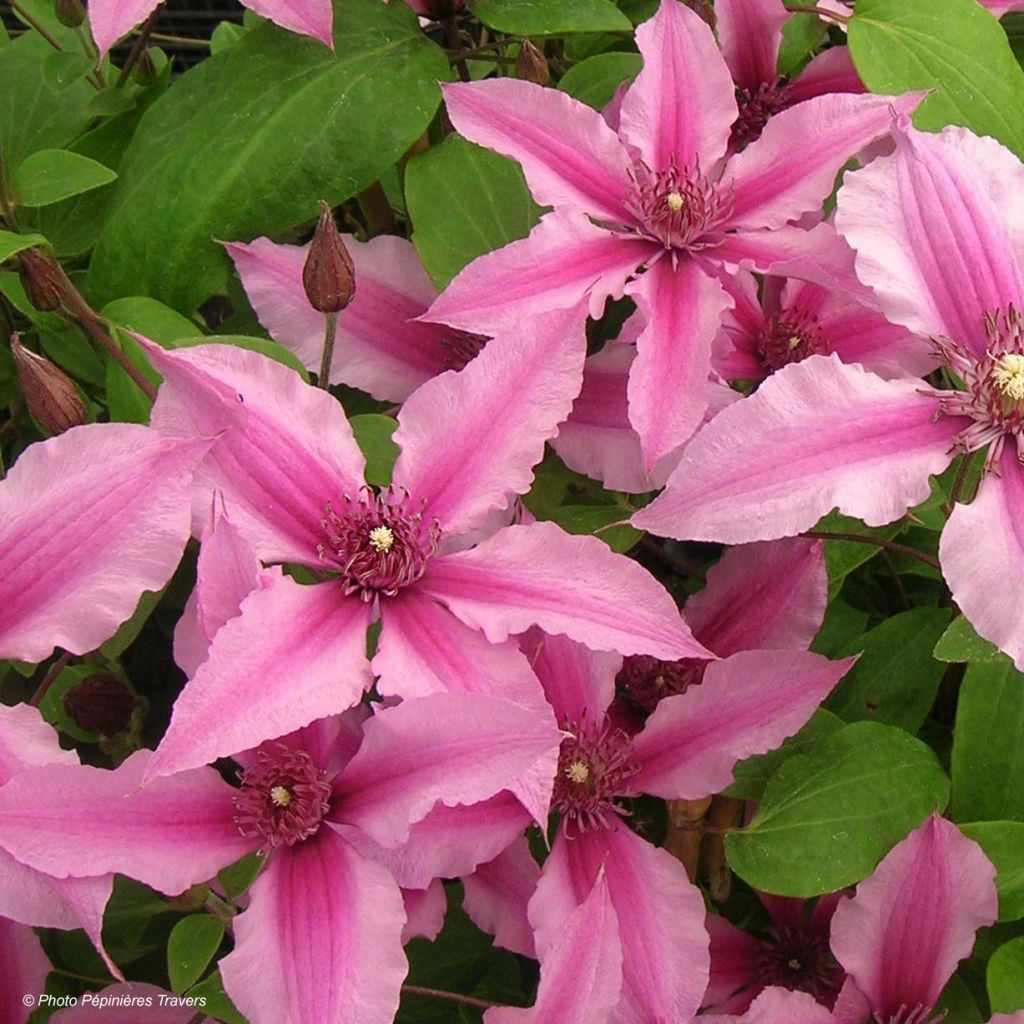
column 746, row 704
column 291, row 479
column 659, row 204
column 937, row 229
column 321, row 940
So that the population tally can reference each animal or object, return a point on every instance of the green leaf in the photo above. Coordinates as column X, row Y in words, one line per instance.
column 801, row 36
column 1005, row 977
column 247, row 142
column 596, row 520
column 62, row 67
column 130, row 629
column 191, row 948
column 465, row 201
column 961, row 643
column 226, row 34
column 954, row 47
column 594, row 81
column 10, row 243
column 1003, row 843
column 150, row 318
column 373, row 435
column 110, row 102
column 843, row 624
column 551, row 17
column 51, row 707
column 896, row 678
column 217, row 1003
column 752, row 775
column 987, row 763
column 50, row 175
column 958, row 1003
column 828, row 816
column 236, row 878
column 843, row 556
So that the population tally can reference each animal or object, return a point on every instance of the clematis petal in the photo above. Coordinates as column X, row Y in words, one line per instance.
column 775, row 463
column 111, row 19
column 425, row 910
column 937, row 228
column 570, row 157
column 912, row 921
column 668, row 382
column 89, row 520
column 734, row 966
column 380, row 347
column 828, row 72
column 680, row 110
column 284, row 449
column 982, row 551
column 321, row 942
column 791, row 169
column 579, row 682
column 777, row 1005
column 23, row 966
column 74, row 819
column 764, row 596
column 497, row 895
column 747, row 704
column 581, row 975
column 453, row 748
column 470, row 439
column 564, row 260
column 539, row 575
column 424, row 649
column 750, row 33
column 307, row 17
column 660, row 917
column 27, row 741
column 450, row 842
column 293, row 654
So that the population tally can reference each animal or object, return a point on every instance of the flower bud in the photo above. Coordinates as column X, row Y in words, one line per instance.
column 100, row 704
column 144, row 71
column 437, row 10
column 531, row 65
column 70, row 13
column 328, row 275
column 50, row 395
column 42, row 280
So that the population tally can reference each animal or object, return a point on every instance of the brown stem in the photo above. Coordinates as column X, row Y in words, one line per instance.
column 452, row 997
column 330, row 333
column 451, row 35
column 163, row 37
column 685, row 831
column 376, row 207
column 878, row 542
column 138, row 48
column 956, row 491
column 54, row 670
column 726, row 814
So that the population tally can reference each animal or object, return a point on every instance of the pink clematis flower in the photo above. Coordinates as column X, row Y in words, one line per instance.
column 937, row 231
column 291, row 477
column 89, row 520
column 794, row 954
column 32, row 897
column 320, row 941
column 750, row 33
column 795, row 319
column 381, row 348
column 777, row 1006
column 111, row 19
column 746, row 704
column 659, row 196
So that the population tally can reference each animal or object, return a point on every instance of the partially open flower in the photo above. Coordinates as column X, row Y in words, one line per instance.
column 51, row 396
column 42, row 280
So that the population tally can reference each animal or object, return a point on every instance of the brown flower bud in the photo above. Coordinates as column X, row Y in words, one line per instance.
column 42, row 280
column 328, row 275
column 51, row 396
column 100, row 704
column 531, row 65
column 70, row 13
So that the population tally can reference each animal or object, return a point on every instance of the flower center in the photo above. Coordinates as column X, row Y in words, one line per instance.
column 755, row 107
column 798, row 960
column 674, row 207
column 994, row 395
column 647, row 680
column 789, row 337
column 594, row 767
column 377, row 543
column 283, row 798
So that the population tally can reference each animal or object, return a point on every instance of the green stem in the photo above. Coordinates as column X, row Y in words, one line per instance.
column 878, row 542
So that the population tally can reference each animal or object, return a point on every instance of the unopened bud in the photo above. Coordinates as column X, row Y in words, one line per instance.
column 144, row 71
column 100, row 704
column 531, row 65
column 328, row 275
column 50, row 395
column 70, row 13
column 437, row 10
column 42, row 280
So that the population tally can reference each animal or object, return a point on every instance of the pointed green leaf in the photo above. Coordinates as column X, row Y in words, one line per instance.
column 50, row 175
column 191, row 948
